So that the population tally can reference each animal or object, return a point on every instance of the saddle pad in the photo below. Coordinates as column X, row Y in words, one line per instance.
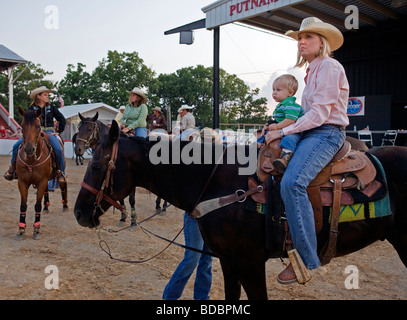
column 348, row 213
column 362, row 211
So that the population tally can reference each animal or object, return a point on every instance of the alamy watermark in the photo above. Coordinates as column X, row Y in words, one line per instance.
column 171, row 152
column 51, row 21
column 52, row 281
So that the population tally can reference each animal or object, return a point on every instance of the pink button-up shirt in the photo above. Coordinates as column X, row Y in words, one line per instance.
column 325, row 97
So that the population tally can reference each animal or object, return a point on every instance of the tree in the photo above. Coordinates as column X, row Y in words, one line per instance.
column 194, row 86
column 76, row 86
column 33, row 77
column 117, row 74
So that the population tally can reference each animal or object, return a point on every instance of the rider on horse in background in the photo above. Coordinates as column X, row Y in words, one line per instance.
column 48, row 113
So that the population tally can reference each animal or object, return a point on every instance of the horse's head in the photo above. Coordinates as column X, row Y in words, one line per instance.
column 267, row 155
column 109, row 171
column 31, row 126
column 88, row 134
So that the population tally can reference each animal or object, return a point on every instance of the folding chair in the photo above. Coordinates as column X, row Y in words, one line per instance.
column 389, row 138
column 366, row 136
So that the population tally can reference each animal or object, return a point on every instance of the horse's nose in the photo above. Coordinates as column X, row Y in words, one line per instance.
column 78, row 150
column 29, row 150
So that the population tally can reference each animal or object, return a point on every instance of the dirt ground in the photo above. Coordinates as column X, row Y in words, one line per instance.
column 86, row 272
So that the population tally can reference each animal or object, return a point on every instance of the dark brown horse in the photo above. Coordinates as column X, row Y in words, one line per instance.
column 236, row 235
column 34, row 167
column 90, row 132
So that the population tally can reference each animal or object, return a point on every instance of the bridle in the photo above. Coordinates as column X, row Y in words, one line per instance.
column 107, row 181
column 32, row 166
column 94, row 136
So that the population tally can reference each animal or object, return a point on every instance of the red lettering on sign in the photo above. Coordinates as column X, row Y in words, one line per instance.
column 248, row 5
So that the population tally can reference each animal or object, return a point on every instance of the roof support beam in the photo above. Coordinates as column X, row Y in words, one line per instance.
column 316, row 13
column 378, row 7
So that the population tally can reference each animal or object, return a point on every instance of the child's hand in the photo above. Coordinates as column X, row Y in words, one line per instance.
column 265, row 128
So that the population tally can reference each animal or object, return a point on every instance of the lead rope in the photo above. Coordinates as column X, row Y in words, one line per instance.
column 103, row 243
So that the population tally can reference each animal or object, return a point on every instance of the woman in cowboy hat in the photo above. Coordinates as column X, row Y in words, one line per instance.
column 40, row 100
column 134, row 118
column 324, row 101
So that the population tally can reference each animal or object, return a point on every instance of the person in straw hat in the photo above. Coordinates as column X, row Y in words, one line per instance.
column 119, row 115
column 157, row 119
column 49, row 112
column 134, row 120
column 322, row 126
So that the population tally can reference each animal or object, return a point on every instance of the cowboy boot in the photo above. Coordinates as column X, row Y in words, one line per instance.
column 60, row 177
column 11, row 172
column 281, row 164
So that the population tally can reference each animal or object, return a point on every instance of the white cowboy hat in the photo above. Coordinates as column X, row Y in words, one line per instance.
column 185, row 107
column 38, row 91
column 328, row 31
column 157, row 109
column 122, row 108
column 140, row 93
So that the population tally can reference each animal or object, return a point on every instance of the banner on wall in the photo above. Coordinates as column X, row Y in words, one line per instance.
column 356, row 106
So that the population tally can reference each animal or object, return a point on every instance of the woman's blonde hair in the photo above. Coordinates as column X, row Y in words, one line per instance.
column 325, row 51
column 289, row 81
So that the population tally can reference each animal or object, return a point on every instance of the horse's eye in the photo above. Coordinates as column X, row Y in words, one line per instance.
column 96, row 168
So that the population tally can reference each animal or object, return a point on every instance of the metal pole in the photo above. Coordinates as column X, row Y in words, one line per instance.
column 10, row 95
column 216, row 50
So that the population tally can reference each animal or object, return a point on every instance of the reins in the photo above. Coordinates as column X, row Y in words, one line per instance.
column 100, row 195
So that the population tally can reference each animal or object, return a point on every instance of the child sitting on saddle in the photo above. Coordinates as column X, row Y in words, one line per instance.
column 48, row 113
column 286, row 113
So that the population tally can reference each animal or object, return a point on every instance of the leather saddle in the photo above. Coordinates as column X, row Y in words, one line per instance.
column 347, row 170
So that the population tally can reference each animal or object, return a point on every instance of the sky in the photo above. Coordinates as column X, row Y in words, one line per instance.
column 86, row 30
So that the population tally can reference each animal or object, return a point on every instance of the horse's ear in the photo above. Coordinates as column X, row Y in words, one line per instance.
column 95, row 117
column 21, row 111
column 80, row 116
column 114, row 132
column 38, row 112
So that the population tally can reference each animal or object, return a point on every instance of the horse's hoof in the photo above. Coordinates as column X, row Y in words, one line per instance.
column 20, row 235
column 37, row 234
column 45, row 211
column 65, row 209
column 120, row 224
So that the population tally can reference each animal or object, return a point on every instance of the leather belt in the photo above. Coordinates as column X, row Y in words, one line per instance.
column 336, row 125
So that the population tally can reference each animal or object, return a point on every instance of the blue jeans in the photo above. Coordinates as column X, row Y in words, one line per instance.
column 290, row 141
column 141, row 132
column 313, row 153
column 203, row 279
column 55, row 145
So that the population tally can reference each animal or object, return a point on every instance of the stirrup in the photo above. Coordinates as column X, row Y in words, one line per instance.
column 10, row 176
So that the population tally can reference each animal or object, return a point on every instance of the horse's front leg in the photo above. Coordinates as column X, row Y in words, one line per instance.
column 23, row 188
column 41, row 188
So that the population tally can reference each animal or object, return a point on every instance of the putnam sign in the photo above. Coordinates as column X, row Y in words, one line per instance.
column 248, row 5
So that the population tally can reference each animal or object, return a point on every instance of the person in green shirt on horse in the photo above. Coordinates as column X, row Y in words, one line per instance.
column 134, row 120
